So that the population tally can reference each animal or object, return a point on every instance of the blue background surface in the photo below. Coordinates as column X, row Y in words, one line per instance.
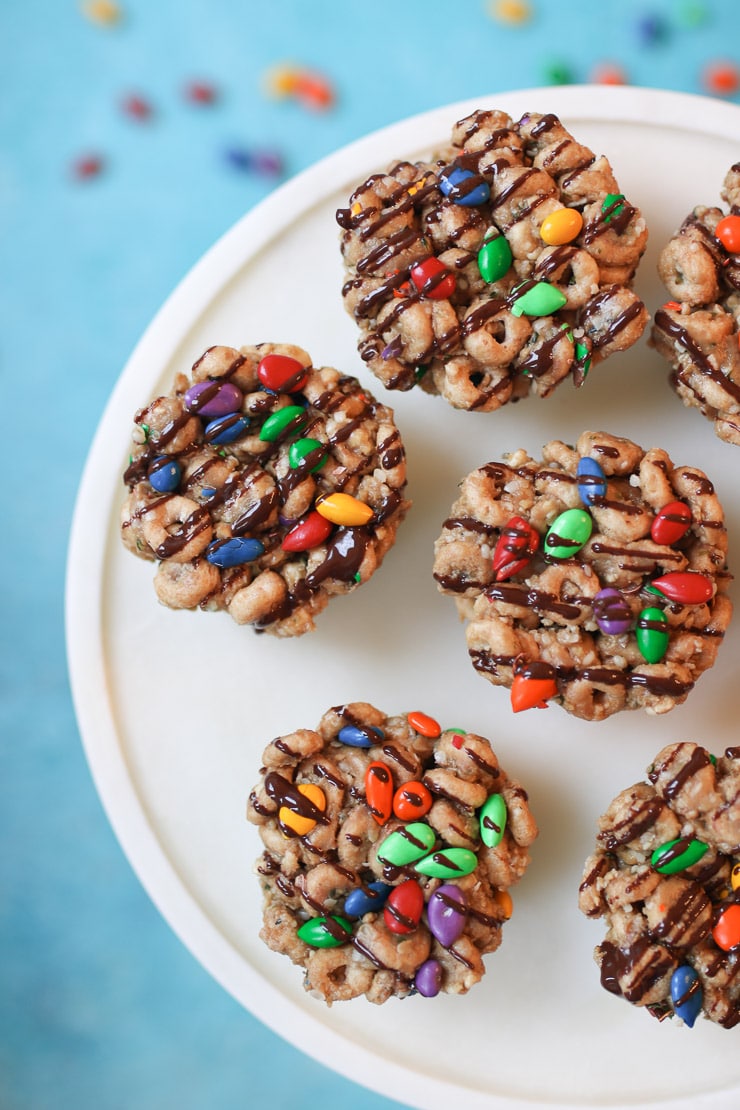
column 100, row 1005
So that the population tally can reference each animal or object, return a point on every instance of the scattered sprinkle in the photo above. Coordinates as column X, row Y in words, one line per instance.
column 608, row 73
column 721, row 78
column 310, row 89
column 104, row 12
column 511, row 11
column 201, row 92
column 87, row 166
column 268, row 163
column 558, row 73
column 137, row 107
column 693, row 15
column 651, row 29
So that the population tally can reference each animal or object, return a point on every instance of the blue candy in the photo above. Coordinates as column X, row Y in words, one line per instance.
column 359, row 737
column 686, row 994
column 591, row 480
column 164, row 474
column 448, row 183
column 234, row 552
column 359, row 902
column 226, row 429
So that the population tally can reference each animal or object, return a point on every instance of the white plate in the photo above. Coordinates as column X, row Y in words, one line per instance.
column 175, row 708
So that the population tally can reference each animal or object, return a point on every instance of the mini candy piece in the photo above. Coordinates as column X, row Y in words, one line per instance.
column 511, row 11
column 310, row 532
column 428, row 979
column 89, row 165
column 726, row 932
column 652, row 634
column 201, row 92
column 591, row 480
column 448, row 863
column 314, row 91
column 137, row 107
column 357, row 737
column 325, row 932
column 494, row 258
column 446, row 914
column 735, row 877
column 686, row 994
column 492, row 819
column 612, row 206
column 368, row 899
column 583, row 359
column 721, row 78
column 311, row 449
column 379, row 791
column 426, row 726
column 464, row 187
column 412, row 800
column 677, row 855
column 403, row 908
column 504, row 902
column 612, row 612
column 671, row 523
column 292, row 416
column 568, row 533
column 234, row 552
column 164, row 474
column 213, row 398
column 458, row 736
column 298, row 823
column 226, row 429
column 728, row 233
column 687, row 587
column 105, row 12
column 342, row 508
column 281, row 374
column 515, row 547
column 561, row 226
column 406, row 845
column 528, row 691
column 432, row 278
column 541, row 299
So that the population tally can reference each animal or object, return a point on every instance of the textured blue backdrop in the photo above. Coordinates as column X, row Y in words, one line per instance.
column 100, row 1006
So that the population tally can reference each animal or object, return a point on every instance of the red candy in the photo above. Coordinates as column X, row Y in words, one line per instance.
column 403, row 909
column 516, row 546
column 671, row 523
column 379, row 791
column 427, row 726
column 309, row 533
column 432, row 278
column 726, row 932
column 198, row 92
column 721, row 78
column 411, row 801
column 728, row 233
column 282, row 374
column 684, row 586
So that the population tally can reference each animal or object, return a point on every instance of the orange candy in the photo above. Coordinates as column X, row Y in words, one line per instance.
column 728, row 233
column 726, row 932
column 379, row 791
column 427, row 726
column 526, row 692
column 411, row 801
column 296, row 822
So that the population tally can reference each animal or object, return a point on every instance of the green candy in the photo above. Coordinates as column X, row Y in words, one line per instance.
column 494, row 258
column 302, row 447
column 651, row 633
column 448, row 863
column 583, row 357
column 276, row 424
column 541, row 299
column 407, row 844
column 320, row 934
column 492, row 819
column 608, row 203
column 568, row 533
column 690, row 852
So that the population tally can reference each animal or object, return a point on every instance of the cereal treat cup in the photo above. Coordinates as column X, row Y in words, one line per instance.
column 389, row 847
column 263, row 486
column 595, row 578
column 698, row 330
column 496, row 269
column 665, row 877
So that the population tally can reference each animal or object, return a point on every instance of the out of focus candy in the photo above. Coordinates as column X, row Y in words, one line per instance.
column 200, row 92
column 510, row 11
column 105, row 12
column 722, row 78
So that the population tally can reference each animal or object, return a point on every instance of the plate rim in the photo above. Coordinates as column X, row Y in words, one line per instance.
column 85, row 568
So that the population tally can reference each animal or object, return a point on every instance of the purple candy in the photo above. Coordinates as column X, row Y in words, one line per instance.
column 613, row 614
column 213, row 399
column 428, row 979
column 446, row 914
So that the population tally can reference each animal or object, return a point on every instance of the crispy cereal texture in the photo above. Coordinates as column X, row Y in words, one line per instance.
column 660, row 919
column 259, row 486
column 459, row 326
column 698, row 329
column 310, row 876
column 547, row 621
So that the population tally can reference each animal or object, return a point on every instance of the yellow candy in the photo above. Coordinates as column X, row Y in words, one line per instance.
column 296, row 822
column 342, row 508
column 413, row 189
column 281, row 81
column 102, row 11
column 511, row 11
column 735, row 876
column 356, row 208
column 561, row 226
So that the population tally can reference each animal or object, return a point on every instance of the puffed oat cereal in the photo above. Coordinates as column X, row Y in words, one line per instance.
column 595, row 578
column 389, row 847
column 665, row 876
column 698, row 331
column 263, row 485
column 496, row 269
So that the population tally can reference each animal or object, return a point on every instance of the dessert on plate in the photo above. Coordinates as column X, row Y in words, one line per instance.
column 390, row 843
column 264, row 486
column 499, row 267
column 595, row 578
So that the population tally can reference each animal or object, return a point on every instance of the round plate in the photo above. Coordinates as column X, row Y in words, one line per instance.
column 175, row 708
